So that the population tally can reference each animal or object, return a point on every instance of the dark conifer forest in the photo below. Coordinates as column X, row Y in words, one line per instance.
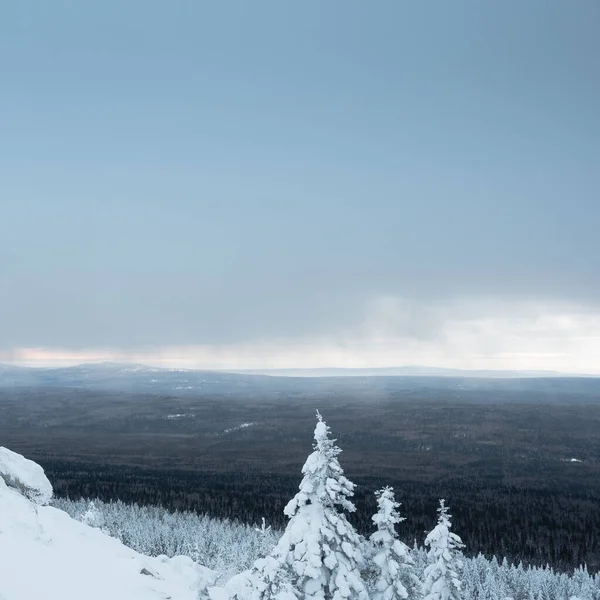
column 530, row 526
column 518, row 463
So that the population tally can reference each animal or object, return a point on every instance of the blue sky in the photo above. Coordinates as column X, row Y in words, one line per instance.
column 301, row 184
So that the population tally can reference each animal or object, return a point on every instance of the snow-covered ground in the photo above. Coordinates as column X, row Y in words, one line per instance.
column 45, row 554
column 238, row 427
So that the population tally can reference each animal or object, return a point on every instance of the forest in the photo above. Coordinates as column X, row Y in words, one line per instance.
column 532, row 527
column 320, row 552
column 517, row 461
column 229, row 547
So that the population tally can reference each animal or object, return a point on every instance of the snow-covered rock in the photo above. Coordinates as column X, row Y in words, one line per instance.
column 44, row 553
column 25, row 476
column 239, row 586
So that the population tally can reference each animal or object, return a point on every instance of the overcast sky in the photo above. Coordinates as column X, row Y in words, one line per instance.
column 262, row 184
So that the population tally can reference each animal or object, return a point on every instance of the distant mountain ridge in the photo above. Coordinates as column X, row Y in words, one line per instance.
column 111, row 375
column 116, row 368
column 285, row 383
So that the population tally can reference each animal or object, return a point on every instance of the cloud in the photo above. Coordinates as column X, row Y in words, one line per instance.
column 312, row 208
column 468, row 333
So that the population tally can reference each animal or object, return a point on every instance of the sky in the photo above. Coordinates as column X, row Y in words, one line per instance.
column 309, row 184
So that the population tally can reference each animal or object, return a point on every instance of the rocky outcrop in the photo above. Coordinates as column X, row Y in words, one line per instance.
column 25, row 476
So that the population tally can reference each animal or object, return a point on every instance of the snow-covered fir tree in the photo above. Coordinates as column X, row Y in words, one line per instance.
column 92, row 516
column 318, row 556
column 442, row 575
column 264, row 532
column 394, row 576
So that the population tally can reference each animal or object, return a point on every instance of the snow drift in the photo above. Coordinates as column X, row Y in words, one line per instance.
column 44, row 553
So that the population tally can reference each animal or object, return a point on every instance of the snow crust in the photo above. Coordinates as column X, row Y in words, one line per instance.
column 25, row 476
column 238, row 428
column 47, row 554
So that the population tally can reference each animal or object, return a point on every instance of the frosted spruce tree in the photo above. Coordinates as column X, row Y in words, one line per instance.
column 92, row 516
column 393, row 568
column 318, row 557
column 442, row 575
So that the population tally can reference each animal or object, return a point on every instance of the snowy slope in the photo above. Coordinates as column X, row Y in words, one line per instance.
column 46, row 554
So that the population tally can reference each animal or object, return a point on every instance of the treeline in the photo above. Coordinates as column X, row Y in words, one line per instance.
column 535, row 527
column 229, row 547
column 218, row 544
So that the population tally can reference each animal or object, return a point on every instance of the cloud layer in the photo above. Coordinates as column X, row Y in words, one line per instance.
column 476, row 333
column 295, row 184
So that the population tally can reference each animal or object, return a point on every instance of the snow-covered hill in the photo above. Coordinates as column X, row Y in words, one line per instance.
column 45, row 554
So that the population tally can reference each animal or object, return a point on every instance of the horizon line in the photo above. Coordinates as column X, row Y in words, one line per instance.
column 491, row 373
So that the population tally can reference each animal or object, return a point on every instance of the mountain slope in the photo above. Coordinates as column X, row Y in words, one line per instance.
column 46, row 554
